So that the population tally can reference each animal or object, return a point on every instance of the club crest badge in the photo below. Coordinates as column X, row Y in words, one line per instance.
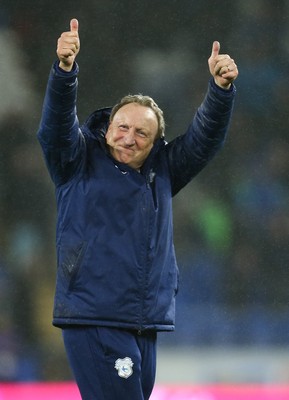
column 124, row 367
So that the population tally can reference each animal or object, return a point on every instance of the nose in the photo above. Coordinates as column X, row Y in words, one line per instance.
column 129, row 139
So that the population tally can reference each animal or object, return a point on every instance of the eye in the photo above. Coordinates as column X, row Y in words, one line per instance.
column 142, row 134
column 123, row 127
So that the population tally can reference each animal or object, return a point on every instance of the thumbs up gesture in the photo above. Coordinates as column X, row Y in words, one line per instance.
column 68, row 46
column 222, row 67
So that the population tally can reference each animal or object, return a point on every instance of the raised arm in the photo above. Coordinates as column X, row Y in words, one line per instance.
column 59, row 135
column 188, row 154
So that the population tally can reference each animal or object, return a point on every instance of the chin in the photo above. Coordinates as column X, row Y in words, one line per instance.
column 131, row 163
column 125, row 160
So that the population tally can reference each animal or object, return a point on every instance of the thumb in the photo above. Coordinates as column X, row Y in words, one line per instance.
column 215, row 49
column 74, row 25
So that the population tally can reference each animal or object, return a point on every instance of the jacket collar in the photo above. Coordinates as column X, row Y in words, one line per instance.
column 97, row 123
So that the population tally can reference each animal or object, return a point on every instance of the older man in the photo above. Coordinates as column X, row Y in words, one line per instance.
column 115, row 176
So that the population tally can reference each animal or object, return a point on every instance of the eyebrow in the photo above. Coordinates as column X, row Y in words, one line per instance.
column 143, row 129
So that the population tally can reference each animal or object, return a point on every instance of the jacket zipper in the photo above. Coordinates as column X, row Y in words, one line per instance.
column 147, row 231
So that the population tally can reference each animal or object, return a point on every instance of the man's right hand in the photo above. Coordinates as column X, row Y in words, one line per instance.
column 68, row 46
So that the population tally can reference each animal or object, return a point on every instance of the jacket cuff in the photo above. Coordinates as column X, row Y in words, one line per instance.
column 217, row 88
column 62, row 73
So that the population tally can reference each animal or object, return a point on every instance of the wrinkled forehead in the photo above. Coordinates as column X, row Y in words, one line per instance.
column 138, row 116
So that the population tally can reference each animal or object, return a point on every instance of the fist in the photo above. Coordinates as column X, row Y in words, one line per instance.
column 68, row 46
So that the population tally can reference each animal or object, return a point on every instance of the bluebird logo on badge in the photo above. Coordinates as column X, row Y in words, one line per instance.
column 124, row 367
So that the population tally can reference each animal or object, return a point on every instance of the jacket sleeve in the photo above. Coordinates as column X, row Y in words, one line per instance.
column 61, row 140
column 188, row 154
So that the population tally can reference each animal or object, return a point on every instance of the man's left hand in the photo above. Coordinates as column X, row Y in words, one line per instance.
column 222, row 67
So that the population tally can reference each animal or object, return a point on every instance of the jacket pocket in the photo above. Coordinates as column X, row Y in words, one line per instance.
column 70, row 259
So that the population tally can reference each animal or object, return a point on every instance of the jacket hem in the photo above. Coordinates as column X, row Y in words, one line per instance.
column 65, row 322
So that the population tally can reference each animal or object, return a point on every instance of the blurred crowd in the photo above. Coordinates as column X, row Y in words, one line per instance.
column 231, row 223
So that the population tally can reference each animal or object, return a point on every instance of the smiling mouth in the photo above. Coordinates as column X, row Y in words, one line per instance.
column 127, row 149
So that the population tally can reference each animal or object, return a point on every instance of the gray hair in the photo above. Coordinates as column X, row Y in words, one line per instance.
column 145, row 101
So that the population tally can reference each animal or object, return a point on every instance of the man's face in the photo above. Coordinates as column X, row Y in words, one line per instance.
column 131, row 134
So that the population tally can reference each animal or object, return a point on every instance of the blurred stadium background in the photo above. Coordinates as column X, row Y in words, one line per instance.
column 231, row 223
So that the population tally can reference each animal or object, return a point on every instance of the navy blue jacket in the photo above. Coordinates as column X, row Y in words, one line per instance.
column 115, row 253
